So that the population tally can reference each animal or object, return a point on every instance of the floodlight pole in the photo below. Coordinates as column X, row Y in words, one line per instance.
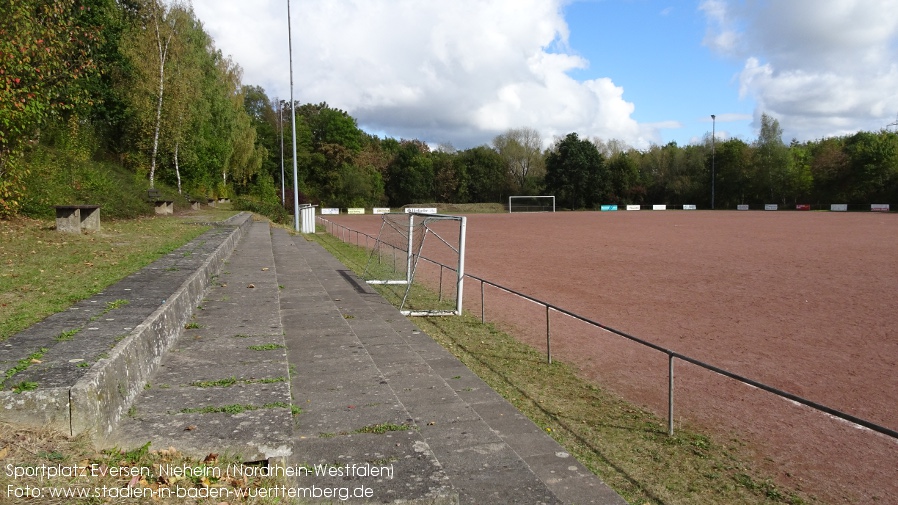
column 281, row 135
column 713, row 134
column 293, row 124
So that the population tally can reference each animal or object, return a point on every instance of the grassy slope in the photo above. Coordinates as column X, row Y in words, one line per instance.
column 43, row 271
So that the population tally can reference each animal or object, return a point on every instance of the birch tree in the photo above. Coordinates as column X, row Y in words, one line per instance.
column 184, row 90
column 152, row 46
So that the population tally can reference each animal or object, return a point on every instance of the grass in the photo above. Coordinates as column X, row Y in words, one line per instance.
column 30, row 448
column 24, row 386
column 238, row 408
column 23, row 364
column 464, row 208
column 625, row 445
column 373, row 429
column 43, row 271
column 67, row 335
column 266, row 347
column 230, row 381
column 380, row 429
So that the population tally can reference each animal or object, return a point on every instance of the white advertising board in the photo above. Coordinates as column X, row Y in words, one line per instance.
column 421, row 210
column 380, row 210
column 879, row 207
column 689, row 207
column 328, row 211
column 771, row 206
column 355, row 210
column 659, row 207
column 633, row 207
column 742, row 207
column 839, row 207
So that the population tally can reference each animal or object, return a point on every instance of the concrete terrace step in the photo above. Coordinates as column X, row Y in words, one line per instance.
column 360, row 364
column 224, row 386
column 94, row 356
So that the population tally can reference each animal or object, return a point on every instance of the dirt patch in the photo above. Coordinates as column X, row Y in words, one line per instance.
column 801, row 301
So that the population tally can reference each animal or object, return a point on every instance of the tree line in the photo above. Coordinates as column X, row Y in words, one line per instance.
column 345, row 167
column 140, row 83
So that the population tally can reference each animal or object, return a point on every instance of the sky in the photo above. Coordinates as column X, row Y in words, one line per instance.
column 460, row 72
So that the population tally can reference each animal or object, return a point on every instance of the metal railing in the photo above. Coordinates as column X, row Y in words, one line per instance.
column 671, row 354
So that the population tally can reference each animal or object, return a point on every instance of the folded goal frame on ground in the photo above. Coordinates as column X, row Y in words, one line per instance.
column 404, row 240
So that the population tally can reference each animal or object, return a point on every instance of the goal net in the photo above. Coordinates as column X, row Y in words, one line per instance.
column 417, row 254
column 545, row 203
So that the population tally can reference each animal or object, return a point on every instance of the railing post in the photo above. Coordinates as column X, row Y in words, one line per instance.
column 548, row 338
column 482, row 306
column 670, row 394
column 441, row 283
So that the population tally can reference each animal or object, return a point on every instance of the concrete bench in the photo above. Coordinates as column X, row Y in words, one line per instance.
column 197, row 201
column 162, row 206
column 74, row 218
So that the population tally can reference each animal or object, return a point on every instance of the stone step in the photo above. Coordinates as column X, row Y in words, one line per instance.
column 224, row 386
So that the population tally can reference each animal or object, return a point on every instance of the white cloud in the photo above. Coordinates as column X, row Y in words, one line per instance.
column 821, row 67
column 457, row 71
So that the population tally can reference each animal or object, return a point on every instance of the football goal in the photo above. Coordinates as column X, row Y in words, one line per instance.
column 544, row 203
column 413, row 250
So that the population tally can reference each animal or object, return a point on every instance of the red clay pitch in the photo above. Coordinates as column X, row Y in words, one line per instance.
column 801, row 301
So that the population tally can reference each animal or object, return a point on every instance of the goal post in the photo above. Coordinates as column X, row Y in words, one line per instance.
column 414, row 249
column 540, row 203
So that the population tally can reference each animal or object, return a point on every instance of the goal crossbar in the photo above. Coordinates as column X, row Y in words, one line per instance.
column 535, row 203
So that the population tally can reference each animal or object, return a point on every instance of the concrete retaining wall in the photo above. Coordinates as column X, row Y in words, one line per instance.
column 104, row 394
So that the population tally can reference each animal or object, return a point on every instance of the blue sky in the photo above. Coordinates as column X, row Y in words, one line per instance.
column 655, row 51
column 460, row 72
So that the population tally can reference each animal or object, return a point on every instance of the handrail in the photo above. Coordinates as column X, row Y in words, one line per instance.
column 669, row 352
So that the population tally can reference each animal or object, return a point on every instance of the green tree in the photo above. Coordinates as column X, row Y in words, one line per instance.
column 46, row 58
column 184, row 91
column 151, row 45
column 265, row 121
column 771, row 162
column 830, row 170
column 246, row 156
column 213, row 128
column 799, row 178
column 626, row 183
column 448, row 181
column 331, row 126
column 664, row 170
column 410, row 174
column 873, row 161
column 486, row 176
column 576, row 173
column 732, row 170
